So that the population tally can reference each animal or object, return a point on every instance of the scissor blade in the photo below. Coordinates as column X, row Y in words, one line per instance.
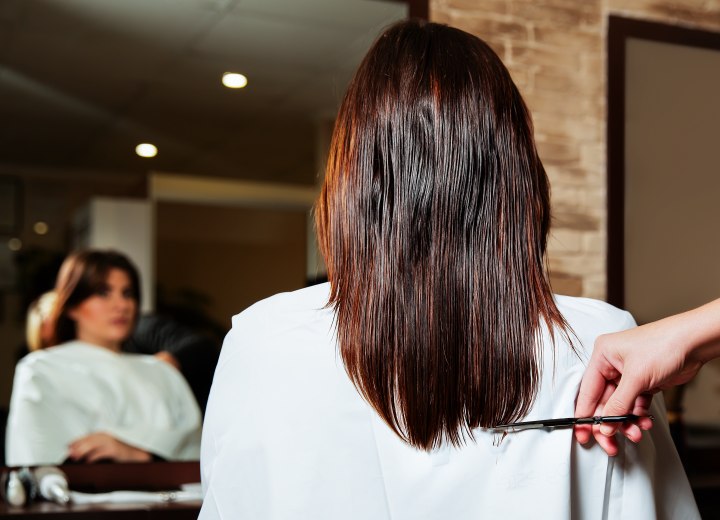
column 533, row 425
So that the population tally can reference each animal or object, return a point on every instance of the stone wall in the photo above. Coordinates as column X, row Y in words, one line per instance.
column 556, row 53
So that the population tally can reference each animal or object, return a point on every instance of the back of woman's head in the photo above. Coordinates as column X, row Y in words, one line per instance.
column 82, row 275
column 433, row 222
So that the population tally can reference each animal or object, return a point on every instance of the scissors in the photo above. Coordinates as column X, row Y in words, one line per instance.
column 567, row 422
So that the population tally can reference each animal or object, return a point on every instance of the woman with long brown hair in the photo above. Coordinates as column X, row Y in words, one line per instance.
column 79, row 397
column 379, row 395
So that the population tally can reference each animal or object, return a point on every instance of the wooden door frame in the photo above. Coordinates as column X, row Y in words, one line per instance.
column 620, row 30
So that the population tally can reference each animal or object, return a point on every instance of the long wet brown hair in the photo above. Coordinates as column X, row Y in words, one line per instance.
column 433, row 222
column 82, row 275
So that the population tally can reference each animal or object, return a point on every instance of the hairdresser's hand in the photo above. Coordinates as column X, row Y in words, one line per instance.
column 631, row 431
column 626, row 368
column 101, row 446
column 168, row 358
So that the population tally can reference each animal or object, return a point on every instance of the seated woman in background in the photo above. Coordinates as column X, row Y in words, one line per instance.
column 80, row 398
column 193, row 353
column 375, row 396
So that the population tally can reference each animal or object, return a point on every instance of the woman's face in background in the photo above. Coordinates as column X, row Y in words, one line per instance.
column 107, row 318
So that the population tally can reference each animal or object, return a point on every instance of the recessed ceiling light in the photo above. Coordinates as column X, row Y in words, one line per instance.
column 14, row 244
column 146, row 150
column 40, row 227
column 234, row 80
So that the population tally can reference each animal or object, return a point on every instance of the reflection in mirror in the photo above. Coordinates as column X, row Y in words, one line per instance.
column 79, row 397
column 82, row 84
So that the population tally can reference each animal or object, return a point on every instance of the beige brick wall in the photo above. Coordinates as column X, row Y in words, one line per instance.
column 556, row 53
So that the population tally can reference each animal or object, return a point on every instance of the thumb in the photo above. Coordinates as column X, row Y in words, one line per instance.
column 620, row 402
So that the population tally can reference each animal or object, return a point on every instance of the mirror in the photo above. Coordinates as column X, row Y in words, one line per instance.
column 662, row 253
column 83, row 82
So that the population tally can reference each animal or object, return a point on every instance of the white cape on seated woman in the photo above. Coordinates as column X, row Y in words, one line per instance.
column 288, row 436
column 66, row 392
column 374, row 396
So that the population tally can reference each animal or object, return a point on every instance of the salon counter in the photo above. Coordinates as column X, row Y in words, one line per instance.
column 97, row 478
column 128, row 511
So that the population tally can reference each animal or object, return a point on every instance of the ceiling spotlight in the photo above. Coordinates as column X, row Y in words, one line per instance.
column 40, row 227
column 146, row 150
column 234, row 80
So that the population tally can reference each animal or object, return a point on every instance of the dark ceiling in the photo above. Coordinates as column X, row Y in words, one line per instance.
column 83, row 81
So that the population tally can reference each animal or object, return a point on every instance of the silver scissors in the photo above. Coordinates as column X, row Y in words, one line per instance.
column 567, row 422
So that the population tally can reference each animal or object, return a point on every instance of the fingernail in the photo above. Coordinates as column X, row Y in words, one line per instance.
column 606, row 429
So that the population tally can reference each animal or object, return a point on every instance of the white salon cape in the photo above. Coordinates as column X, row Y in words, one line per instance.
column 287, row 436
column 66, row 392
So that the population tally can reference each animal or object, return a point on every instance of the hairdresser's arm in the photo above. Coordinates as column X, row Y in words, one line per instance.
column 627, row 367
